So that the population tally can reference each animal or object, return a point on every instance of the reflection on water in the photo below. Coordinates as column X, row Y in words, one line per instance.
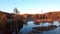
column 41, row 28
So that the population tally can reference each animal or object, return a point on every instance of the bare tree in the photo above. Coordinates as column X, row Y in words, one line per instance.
column 16, row 20
column 16, row 11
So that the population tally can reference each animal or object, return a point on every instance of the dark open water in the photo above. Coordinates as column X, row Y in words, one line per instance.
column 27, row 29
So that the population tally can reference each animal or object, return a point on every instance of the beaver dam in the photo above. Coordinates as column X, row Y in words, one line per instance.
column 11, row 23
